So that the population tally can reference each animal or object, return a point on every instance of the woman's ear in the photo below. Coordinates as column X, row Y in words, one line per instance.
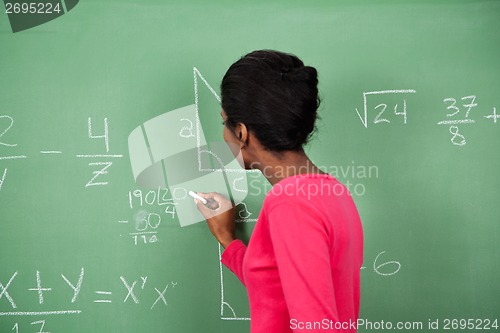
column 241, row 132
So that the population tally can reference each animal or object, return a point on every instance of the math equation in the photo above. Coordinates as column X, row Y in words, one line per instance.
column 391, row 107
column 126, row 289
column 99, row 162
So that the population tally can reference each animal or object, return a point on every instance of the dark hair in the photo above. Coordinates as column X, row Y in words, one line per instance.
column 275, row 96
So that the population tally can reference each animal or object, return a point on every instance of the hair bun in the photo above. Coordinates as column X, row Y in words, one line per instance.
column 275, row 95
column 307, row 73
column 304, row 74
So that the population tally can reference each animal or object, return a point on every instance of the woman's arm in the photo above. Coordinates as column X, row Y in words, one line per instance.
column 301, row 244
column 222, row 224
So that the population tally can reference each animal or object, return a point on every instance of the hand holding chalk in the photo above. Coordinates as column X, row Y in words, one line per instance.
column 196, row 196
column 210, row 202
column 219, row 213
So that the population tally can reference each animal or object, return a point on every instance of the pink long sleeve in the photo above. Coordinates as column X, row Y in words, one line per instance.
column 303, row 260
column 232, row 258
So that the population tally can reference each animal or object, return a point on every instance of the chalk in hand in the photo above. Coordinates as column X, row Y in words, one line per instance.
column 196, row 196
column 210, row 202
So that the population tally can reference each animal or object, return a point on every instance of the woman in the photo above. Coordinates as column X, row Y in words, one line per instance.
column 302, row 265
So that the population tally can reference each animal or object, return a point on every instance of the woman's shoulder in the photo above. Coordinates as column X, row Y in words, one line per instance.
column 301, row 184
column 301, row 189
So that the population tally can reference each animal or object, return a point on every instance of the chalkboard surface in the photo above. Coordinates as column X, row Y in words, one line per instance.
column 410, row 122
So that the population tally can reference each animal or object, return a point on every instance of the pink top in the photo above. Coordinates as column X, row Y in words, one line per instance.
column 302, row 265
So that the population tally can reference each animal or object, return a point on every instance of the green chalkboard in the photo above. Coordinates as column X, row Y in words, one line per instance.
column 410, row 122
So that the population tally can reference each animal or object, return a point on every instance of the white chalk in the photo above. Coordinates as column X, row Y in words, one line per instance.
column 196, row 196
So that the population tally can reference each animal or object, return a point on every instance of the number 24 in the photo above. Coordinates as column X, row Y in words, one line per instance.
column 379, row 119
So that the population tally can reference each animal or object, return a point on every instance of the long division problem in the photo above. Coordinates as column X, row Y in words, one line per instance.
column 144, row 221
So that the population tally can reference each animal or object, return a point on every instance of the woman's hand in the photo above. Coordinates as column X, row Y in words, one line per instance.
column 221, row 220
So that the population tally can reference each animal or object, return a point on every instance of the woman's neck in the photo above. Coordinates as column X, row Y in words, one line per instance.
column 278, row 166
